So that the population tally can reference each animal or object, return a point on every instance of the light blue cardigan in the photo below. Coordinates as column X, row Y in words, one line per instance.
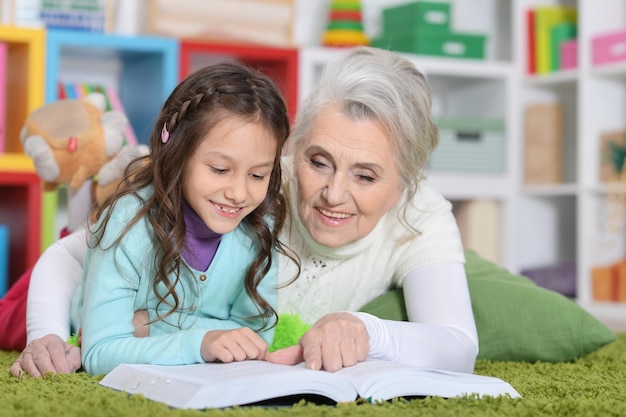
column 117, row 282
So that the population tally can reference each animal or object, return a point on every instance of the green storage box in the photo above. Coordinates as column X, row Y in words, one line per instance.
column 469, row 145
column 424, row 16
column 454, row 45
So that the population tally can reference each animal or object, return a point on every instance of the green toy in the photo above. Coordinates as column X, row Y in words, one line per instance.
column 73, row 340
column 288, row 332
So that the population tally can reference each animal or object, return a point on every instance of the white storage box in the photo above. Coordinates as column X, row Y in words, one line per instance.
column 469, row 145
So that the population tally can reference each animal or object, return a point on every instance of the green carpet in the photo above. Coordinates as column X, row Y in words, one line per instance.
column 594, row 386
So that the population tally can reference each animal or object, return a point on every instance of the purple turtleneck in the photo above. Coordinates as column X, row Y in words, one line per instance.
column 202, row 242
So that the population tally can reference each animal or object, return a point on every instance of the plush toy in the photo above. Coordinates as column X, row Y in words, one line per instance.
column 70, row 140
column 111, row 173
column 73, row 142
column 289, row 329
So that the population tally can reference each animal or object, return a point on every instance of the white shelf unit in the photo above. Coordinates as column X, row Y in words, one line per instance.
column 465, row 88
column 541, row 225
column 575, row 220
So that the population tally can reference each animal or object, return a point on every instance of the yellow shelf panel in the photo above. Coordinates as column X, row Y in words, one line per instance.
column 16, row 162
column 25, row 78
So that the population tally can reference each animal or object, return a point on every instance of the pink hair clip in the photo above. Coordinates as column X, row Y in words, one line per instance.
column 165, row 135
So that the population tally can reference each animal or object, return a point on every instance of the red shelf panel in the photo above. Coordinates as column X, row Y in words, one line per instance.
column 20, row 210
column 281, row 64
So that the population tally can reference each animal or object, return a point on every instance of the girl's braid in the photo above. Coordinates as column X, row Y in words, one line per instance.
column 188, row 105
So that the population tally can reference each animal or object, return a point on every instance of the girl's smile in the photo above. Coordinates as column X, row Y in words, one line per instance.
column 226, row 211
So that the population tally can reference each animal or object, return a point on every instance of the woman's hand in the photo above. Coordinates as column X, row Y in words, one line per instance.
column 335, row 341
column 47, row 354
column 233, row 345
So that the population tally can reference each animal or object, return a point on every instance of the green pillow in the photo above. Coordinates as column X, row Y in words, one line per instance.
column 516, row 319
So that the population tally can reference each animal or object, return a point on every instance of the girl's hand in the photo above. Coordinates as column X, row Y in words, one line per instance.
column 47, row 354
column 233, row 345
column 335, row 341
column 141, row 322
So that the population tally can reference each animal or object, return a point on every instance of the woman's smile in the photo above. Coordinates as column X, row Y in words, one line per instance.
column 334, row 218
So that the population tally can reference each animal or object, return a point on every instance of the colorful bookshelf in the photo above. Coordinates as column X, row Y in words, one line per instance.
column 22, row 68
column 146, row 71
column 281, row 64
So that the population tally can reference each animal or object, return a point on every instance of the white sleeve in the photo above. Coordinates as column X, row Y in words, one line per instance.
column 441, row 332
column 54, row 279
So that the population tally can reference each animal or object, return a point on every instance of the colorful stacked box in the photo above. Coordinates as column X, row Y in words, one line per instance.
column 423, row 27
column 345, row 24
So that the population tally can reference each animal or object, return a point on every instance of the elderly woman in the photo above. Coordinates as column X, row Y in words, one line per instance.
column 362, row 223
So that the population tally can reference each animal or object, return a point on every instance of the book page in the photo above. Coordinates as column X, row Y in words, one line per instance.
column 381, row 380
column 224, row 385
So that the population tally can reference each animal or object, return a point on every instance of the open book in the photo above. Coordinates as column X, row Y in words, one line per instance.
column 213, row 385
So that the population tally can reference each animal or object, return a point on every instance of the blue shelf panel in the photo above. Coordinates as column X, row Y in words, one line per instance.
column 148, row 69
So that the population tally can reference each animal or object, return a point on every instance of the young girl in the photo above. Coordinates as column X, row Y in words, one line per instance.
column 191, row 234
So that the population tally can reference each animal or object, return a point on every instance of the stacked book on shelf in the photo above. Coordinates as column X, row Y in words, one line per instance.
column 71, row 90
column 551, row 38
column 84, row 15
